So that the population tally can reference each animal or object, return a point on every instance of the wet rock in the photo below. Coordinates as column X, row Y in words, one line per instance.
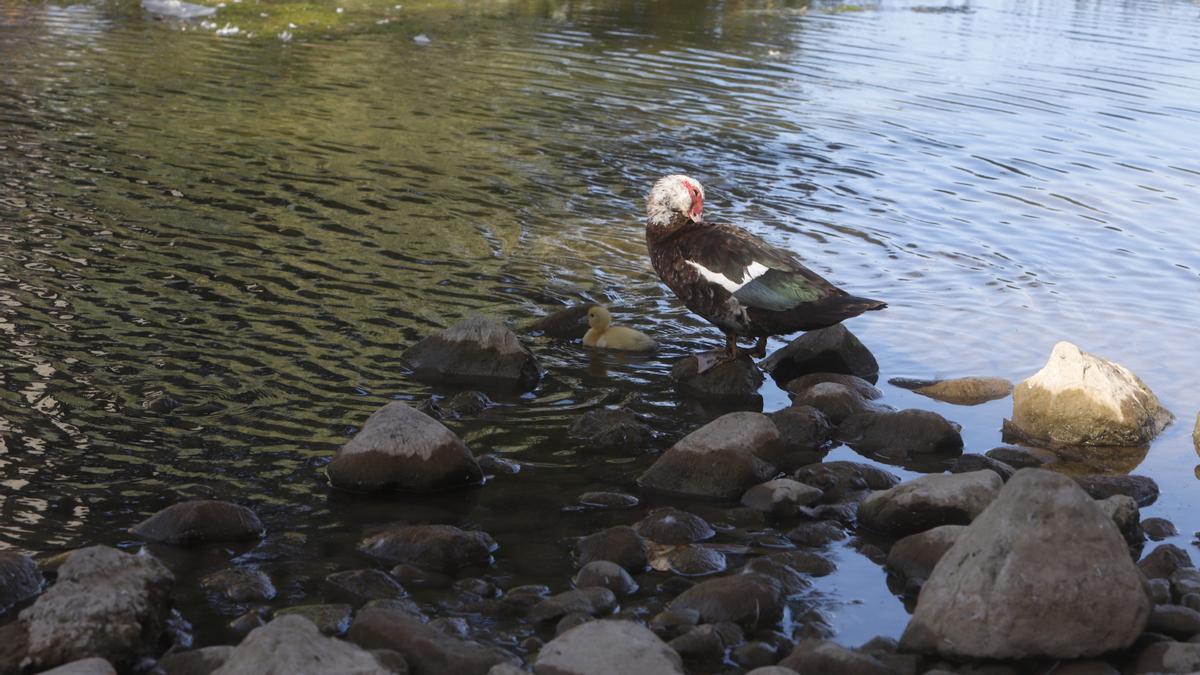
column 393, row 661
column 592, row 601
column 1160, row 591
column 292, row 644
column 1184, row 581
column 606, row 429
column 828, row 350
column 817, row 533
column 738, row 379
column 755, row 654
column 864, row 389
column 608, row 500
column 477, row 351
column 1041, row 521
column 692, row 561
column 1163, row 561
column 749, row 600
column 426, row 649
column 1178, row 622
column 837, row 401
column 240, row 584
column 669, row 525
column 330, row 619
column 606, row 647
column 671, row 623
column 411, row 576
column 1158, row 529
column 473, row 586
column 620, row 545
column 401, row 448
column 526, row 596
column 437, row 548
column 1124, row 513
column 605, row 574
column 198, row 522
column 805, row 434
column 1142, row 489
column 704, row 643
column 20, row 579
column 201, row 661
column 913, row 557
column 92, row 666
column 781, row 497
column 1022, row 458
column 970, row 462
column 1169, row 657
column 840, row 479
column 929, row 501
column 363, row 586
column 1082, row 399
column 719, row 460
column 960, row 390
column 570, row 323
column 495, row 465
column 105, row 603
column 772, row 670
column 570, row 621
column 822, row 657
column 806, row 562
column 901, row 434
column 248, row 621
column 845, row 514
column 465, row 403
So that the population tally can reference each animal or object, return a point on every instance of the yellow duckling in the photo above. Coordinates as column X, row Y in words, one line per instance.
column 603, row 335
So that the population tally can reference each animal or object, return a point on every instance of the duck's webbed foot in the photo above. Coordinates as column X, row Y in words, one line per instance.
column 760, row 348
column 709, row 360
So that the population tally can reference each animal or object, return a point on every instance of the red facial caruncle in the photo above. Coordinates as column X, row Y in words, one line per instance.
column 697, row 211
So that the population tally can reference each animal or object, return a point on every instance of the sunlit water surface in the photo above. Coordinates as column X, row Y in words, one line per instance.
column 214, row 250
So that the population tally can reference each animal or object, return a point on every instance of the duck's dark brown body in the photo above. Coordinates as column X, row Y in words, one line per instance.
column 743, row 285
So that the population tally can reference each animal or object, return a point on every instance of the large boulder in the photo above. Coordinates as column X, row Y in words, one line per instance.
column 929, row 501
column 737, row 379
column 959, row 391
column 477, row 351
column 105, row 603
column 200, row 521
column 828, row 350
column 901, row 434
column 721, row 459
column 606, row 647
column 435, row 548
column 1046, row 567
column 401, row 448
column 291, row 645
column 424, row 647
column 20, row 579
column 1082, row 399
column 748, row 599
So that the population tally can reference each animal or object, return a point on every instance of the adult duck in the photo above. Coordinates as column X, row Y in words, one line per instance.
column 733, row 279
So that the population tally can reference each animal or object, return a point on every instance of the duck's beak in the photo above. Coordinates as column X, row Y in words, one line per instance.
column 696, row 213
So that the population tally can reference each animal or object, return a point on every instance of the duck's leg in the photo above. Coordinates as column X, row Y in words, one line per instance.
column 710, row 360
column 760, row 349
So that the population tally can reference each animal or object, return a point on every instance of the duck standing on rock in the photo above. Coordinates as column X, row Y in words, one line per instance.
column 733, row 279
column 606, row 336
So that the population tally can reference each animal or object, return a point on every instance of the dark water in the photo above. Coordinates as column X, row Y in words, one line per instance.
column 215, row 249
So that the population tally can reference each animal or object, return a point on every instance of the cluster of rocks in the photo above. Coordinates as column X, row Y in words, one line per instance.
column 1007, row 566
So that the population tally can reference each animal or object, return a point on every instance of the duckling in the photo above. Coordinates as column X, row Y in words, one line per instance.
column 603, row 335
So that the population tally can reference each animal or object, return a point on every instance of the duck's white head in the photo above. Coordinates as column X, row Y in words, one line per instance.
column 675, row 199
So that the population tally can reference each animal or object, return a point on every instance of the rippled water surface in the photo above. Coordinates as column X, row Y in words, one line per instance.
column 215, row 248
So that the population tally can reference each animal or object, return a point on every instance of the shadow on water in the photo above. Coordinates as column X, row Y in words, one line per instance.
column 215, row 250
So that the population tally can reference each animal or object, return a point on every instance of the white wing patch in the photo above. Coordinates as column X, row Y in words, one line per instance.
column 754, row 271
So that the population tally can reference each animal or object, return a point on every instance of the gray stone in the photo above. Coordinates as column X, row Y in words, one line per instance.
column 822, row 657
column 669, row 525
column 1169, row 657
column 569, row 323
column 20, row 579
column 605, row 574
column 719, row 460
column 362, row 586
column 477, row 351
column 781, row 497
column 1022, row 458
column 836, row 401
column 828, row 350
column 929, row 501
column 671, row 623
column 1081, row 399
column 693, row 561
column 240, row 584
column 606, row 429
column 401, row 448
column 330, row 619
column 901, row 434
column 291, row 645
column 862, row 387
column 701, row 643
column 959, row 390
column 1160, row 591
column 395, row 662
column 1124, row 513
column 817, row 533
column 805, row 434
column 105, row 603
column 840, row 479
column 1185, row 580
column 968, row 463
column 426, row 649
column 91, row 666
column 737, row 379
column 1158, row 529
column 1163, row 561
column 1142, row 489
column 1041, row 521
column 605, row 648
column 914, row 557
column 750, row 600
column 1176, row 621
column 437, row 548
column 201, row 661
column 198, row 522
column 592, row 601
column 620, row 545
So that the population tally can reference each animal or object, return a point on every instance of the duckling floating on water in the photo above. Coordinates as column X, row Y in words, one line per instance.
column 606, row 336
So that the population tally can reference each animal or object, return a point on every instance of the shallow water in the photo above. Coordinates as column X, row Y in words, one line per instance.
column 215, row 248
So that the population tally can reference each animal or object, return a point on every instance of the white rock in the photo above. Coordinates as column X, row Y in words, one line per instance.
column 607, row 647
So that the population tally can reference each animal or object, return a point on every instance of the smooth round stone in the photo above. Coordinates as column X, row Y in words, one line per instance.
column 696, row 561
column 605, row 574
column 673, row 526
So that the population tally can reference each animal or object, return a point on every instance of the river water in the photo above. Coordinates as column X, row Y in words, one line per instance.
column 215, row 248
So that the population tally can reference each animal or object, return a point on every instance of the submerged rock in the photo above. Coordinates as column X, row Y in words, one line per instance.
column 690, row 561
column 401, row 448
column 1082, row 399
column 750, row 600
column 425, row 648
column 929, row 501
column 105, row 603
column 901, row 434
column 740, row 378
column 570, row 323
column 363, row 586
column 721, row 460
column 292, row 644
column 611, row 428
column 828, row 350
column 670, row 525
column 198, row 522
column 959, row 391
column 240, row 584
column 1046, row 567
column 477, row 351
column 620, row 545
column 816, row 533
column 607, row 647
column 436, row 548
column 20, row 579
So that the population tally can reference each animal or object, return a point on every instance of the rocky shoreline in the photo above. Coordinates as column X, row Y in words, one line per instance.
column 1008, row 565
